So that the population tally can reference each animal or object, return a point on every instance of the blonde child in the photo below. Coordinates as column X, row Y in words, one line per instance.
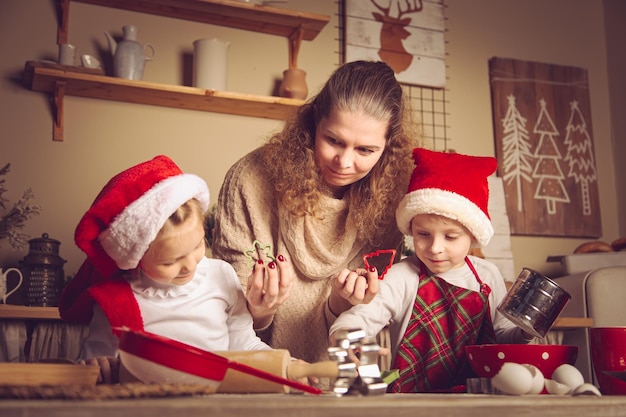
column 441, row 299
column 146, row 268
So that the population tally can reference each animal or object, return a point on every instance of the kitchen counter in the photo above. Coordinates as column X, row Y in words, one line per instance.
column 304, row 405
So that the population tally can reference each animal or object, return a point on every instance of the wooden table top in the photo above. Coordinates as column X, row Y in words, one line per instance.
column 304, row 405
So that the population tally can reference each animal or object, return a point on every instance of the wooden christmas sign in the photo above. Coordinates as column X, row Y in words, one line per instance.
column 544, row 146
column 406, row 34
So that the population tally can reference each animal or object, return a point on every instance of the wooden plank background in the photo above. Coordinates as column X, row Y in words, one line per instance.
column 499, row 250
column 544, row 146
column 423, row 46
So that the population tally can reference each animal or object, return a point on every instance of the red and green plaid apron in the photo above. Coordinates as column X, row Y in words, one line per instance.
column 445, row 318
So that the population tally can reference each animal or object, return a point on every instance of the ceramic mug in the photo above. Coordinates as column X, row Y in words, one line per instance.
column 89, row 61
column 3, row 283
column 608, row 356
column 67, row 54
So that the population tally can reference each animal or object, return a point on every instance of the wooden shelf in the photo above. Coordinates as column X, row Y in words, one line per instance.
column 572, row 323
column 292, row 24
column 45, row 78
column 229, row 13
column 8, row 311
column 24, row 312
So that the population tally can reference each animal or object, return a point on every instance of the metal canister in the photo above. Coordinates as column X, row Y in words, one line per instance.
column 43, row 272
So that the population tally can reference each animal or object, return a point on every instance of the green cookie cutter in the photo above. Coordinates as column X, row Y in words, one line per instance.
column 259, row 250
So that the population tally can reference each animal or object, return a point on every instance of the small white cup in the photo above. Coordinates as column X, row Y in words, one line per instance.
column 90, row 62
column 67, row 54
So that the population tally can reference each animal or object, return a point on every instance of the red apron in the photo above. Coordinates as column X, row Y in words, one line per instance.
column 445, row 318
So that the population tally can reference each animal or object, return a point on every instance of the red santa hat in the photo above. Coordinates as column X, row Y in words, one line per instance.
column 130, row 210
column 452, row 185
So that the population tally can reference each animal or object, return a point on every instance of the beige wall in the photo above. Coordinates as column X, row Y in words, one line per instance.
column 102, row 138
column 560, row 32
column 615, row 16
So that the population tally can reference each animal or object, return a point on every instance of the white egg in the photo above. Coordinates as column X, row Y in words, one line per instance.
column 568, row 375
column 538, row 379
column 587, row 389
column 513, row 378
column 556, row 388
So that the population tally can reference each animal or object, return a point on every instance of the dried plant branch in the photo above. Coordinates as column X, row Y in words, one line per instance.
column 13, row 220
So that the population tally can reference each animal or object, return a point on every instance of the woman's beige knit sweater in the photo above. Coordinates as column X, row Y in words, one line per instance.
column 317, row 249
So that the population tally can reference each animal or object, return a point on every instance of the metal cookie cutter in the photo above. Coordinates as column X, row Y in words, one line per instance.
column 356, row 378
column 260, row 250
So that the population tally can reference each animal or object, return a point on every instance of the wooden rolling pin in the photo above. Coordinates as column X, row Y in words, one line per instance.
column 276, row 361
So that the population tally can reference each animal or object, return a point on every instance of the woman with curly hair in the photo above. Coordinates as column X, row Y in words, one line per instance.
column 318, row 196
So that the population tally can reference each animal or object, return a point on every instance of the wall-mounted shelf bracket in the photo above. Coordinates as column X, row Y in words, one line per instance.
column 295, row 39
column 64, row 20
column 59, row 94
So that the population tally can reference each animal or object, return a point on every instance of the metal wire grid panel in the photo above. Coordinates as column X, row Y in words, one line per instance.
column 428, row 104
column 429, row 107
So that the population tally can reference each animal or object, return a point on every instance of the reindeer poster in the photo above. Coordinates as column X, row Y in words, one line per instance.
column 406, row 34
column 544, row 146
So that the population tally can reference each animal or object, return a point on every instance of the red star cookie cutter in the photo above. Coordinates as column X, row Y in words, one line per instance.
column 380, row 261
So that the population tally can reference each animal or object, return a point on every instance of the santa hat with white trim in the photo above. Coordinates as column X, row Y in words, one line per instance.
column 452, row 185
column 130, row 210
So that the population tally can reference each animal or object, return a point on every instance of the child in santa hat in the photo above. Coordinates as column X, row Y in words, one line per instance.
column 441, row 299
column 146, row 268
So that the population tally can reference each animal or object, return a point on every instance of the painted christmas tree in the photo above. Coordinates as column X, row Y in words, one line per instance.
column 547, row 169
column 516, row 149
column 580, row 155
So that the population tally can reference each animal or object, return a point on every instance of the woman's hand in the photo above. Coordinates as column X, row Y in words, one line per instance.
column 109, row 368
column 268, row 287
column 351, row 288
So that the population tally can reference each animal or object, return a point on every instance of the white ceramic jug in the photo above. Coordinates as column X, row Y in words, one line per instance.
column 3, row 283
column 129, row 56
column 210, row 63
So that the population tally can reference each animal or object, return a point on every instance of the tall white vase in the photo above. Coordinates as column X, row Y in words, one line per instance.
column 210, row 63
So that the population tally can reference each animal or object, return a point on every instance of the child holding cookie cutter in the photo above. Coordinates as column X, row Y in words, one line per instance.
column 146, row 268
column 441, row 299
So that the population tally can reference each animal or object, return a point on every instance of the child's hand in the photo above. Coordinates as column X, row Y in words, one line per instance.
column 109, row 368
column 353, row 287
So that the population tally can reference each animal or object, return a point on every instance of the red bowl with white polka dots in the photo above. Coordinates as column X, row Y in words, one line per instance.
column 486, row 360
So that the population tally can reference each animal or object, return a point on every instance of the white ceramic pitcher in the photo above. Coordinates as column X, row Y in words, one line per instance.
column 129, row 56
column 3, row 283
column 210, row 63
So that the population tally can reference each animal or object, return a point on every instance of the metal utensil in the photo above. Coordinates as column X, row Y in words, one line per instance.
column 534, row 302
